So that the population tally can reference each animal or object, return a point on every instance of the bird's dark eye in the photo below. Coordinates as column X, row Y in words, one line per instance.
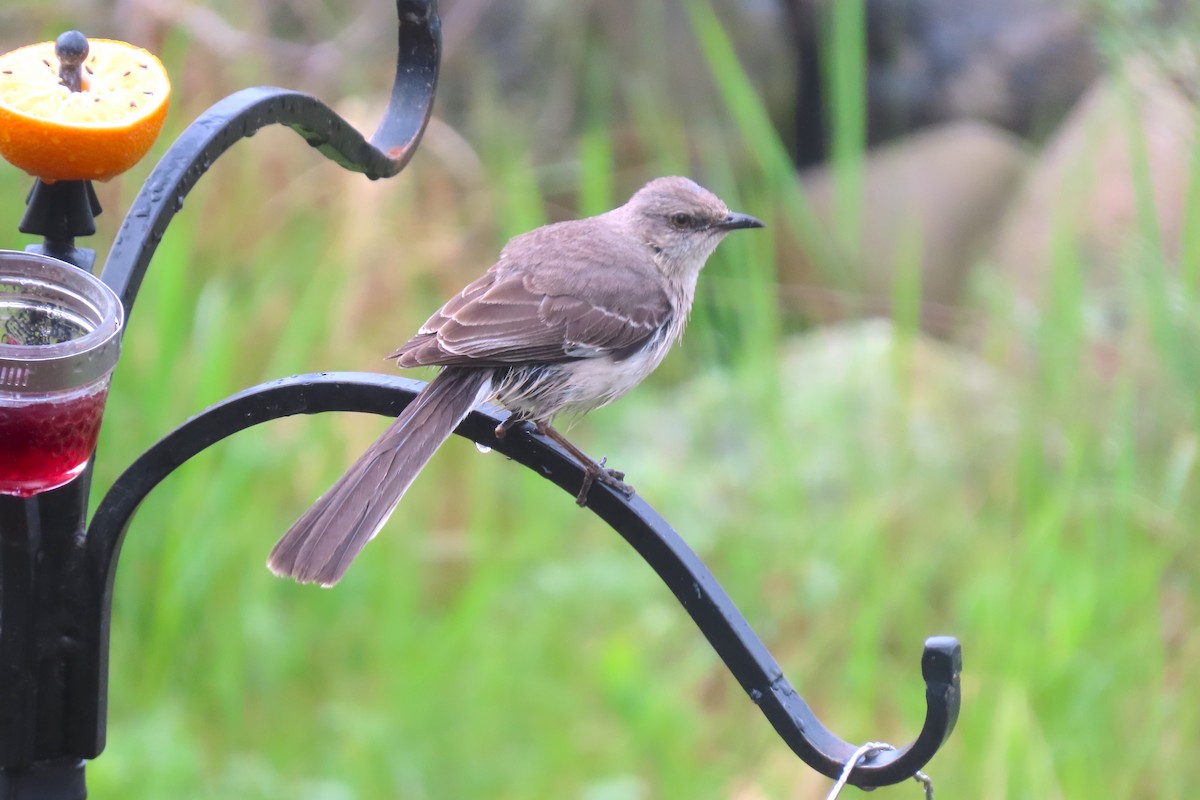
column 681, row 220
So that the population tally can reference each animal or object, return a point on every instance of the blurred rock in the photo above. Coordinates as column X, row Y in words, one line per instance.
column 934, row 196
column 1083, row 190
column 852, row 407
column 898, row 403
column 1019, row 65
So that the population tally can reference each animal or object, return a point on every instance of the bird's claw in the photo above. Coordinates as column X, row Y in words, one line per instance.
column 614, row 475
column 613, row 478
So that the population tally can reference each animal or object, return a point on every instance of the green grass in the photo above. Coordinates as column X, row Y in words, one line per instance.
column 497, row 642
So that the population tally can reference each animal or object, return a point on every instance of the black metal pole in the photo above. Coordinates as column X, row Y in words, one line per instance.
column 60, row 779
column 54, row 598
column 42, row 554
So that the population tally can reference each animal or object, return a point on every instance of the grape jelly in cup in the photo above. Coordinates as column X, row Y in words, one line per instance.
column 60, row 335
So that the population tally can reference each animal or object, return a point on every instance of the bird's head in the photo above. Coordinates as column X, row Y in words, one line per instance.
column 682, row 222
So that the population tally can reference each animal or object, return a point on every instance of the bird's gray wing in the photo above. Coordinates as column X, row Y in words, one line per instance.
column 538, row 311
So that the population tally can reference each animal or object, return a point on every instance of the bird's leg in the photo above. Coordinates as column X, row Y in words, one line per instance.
column 514, row 419
column 592, row 471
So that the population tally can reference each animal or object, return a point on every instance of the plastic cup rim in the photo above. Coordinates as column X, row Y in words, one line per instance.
column 63, row 365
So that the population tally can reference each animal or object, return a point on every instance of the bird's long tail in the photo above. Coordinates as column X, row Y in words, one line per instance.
column 319, row 547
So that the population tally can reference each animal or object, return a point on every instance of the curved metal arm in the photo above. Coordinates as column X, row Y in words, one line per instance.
column 679, row 567
column 243, row 113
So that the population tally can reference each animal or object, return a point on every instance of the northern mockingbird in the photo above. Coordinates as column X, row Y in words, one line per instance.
column 572, row 316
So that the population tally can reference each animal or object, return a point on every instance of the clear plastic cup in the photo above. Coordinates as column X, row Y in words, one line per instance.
column 60, row 336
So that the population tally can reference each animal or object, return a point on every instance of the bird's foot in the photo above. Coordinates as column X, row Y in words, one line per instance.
column 613, row 478
column 512, row 421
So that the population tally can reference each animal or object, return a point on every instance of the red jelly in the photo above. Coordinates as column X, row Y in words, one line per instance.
column 47, row 439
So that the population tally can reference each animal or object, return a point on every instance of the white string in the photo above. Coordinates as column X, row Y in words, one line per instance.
column 870, row 748
column 926, row 781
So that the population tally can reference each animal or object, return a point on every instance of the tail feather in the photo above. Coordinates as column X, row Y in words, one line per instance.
column 320, row 546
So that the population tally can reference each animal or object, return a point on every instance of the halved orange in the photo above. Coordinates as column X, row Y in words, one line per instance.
column 94, row 134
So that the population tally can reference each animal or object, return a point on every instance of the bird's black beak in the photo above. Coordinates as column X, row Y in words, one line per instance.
column 735, row 221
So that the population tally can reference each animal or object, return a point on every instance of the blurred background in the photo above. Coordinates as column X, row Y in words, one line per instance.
column 953, row 387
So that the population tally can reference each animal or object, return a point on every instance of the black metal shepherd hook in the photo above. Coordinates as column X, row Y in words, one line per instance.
column 56, row 573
